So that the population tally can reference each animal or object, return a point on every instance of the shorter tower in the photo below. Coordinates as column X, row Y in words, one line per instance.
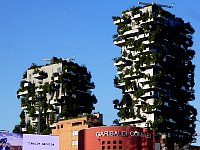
column 53, row 92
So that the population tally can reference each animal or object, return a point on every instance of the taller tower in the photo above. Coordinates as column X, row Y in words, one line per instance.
column 56, row 91
column 155, row 72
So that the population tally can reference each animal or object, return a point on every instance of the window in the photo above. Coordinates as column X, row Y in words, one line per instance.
column 75, row 133
column 114, row 147
column 120, row 147
column 114, row 142
column 61, row 126
column 120, row 142
column 59, row 70
column 29, row 76
column 74, row 142
column 108, row 142
column 76, row 123
column 103, row 142
column 108, row 147
column 57, row 126
column 103, row 147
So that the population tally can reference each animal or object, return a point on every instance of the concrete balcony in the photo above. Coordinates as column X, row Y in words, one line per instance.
column 130, row 120
column 140, row 37
column 116, row 107
column 53, row 125
column 73, row 96
column 49, row 111
column 120, row 42
column 55, row 79
column 120, row 85
column 35, row 120
column 119, row 72
column 127, row 76
column 116, row 22
column 130, row 47
column 148, row 20
column 139, row 103
column 147, row 42
column 151, row 111
column 23, row 93
column 150, row 101
column 89, row 92
column 24, row 129
column 129, row 90
column 39, row 76
column 38, row 90
column 23, row 107
column 91, row 86
column 131, row 32
column 171, row 120
column 136, row 16
column 119, row 63
column 26, row 84
column 70, row 72
column 36, row 112
column 54, row 102
column 147, row 94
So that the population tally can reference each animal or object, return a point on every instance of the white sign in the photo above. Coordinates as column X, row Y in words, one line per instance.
column 40, row 142
column 123, row 133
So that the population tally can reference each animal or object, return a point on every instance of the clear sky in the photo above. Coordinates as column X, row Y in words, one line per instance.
column 34, row 29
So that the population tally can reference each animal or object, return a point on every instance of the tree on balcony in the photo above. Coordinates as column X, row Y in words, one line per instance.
column 161, row 70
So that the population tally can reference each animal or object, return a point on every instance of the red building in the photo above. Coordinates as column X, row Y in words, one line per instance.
column 116, row 138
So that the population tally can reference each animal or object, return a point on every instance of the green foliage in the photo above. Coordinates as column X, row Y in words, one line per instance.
column 47, row 131
column 33, row 66
column 139, row 93
column 31, row 129
column 17, row 129
column 116, row 122
column 25, row 75
column 115, row 18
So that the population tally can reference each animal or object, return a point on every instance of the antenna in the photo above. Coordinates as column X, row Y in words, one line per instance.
column 153, row 3
column 66, row 59
column 70, row 59
column 46, row 59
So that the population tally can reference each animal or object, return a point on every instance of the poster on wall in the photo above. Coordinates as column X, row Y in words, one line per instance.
column 40, row 142
column 11, row 141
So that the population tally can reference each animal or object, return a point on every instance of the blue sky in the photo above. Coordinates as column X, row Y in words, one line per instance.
column 34, row 29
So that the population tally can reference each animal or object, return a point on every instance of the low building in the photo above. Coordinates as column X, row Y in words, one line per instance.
column 116, row 138
column 67, row 130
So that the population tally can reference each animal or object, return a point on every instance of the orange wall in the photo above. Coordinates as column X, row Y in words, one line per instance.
column 64, row 130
